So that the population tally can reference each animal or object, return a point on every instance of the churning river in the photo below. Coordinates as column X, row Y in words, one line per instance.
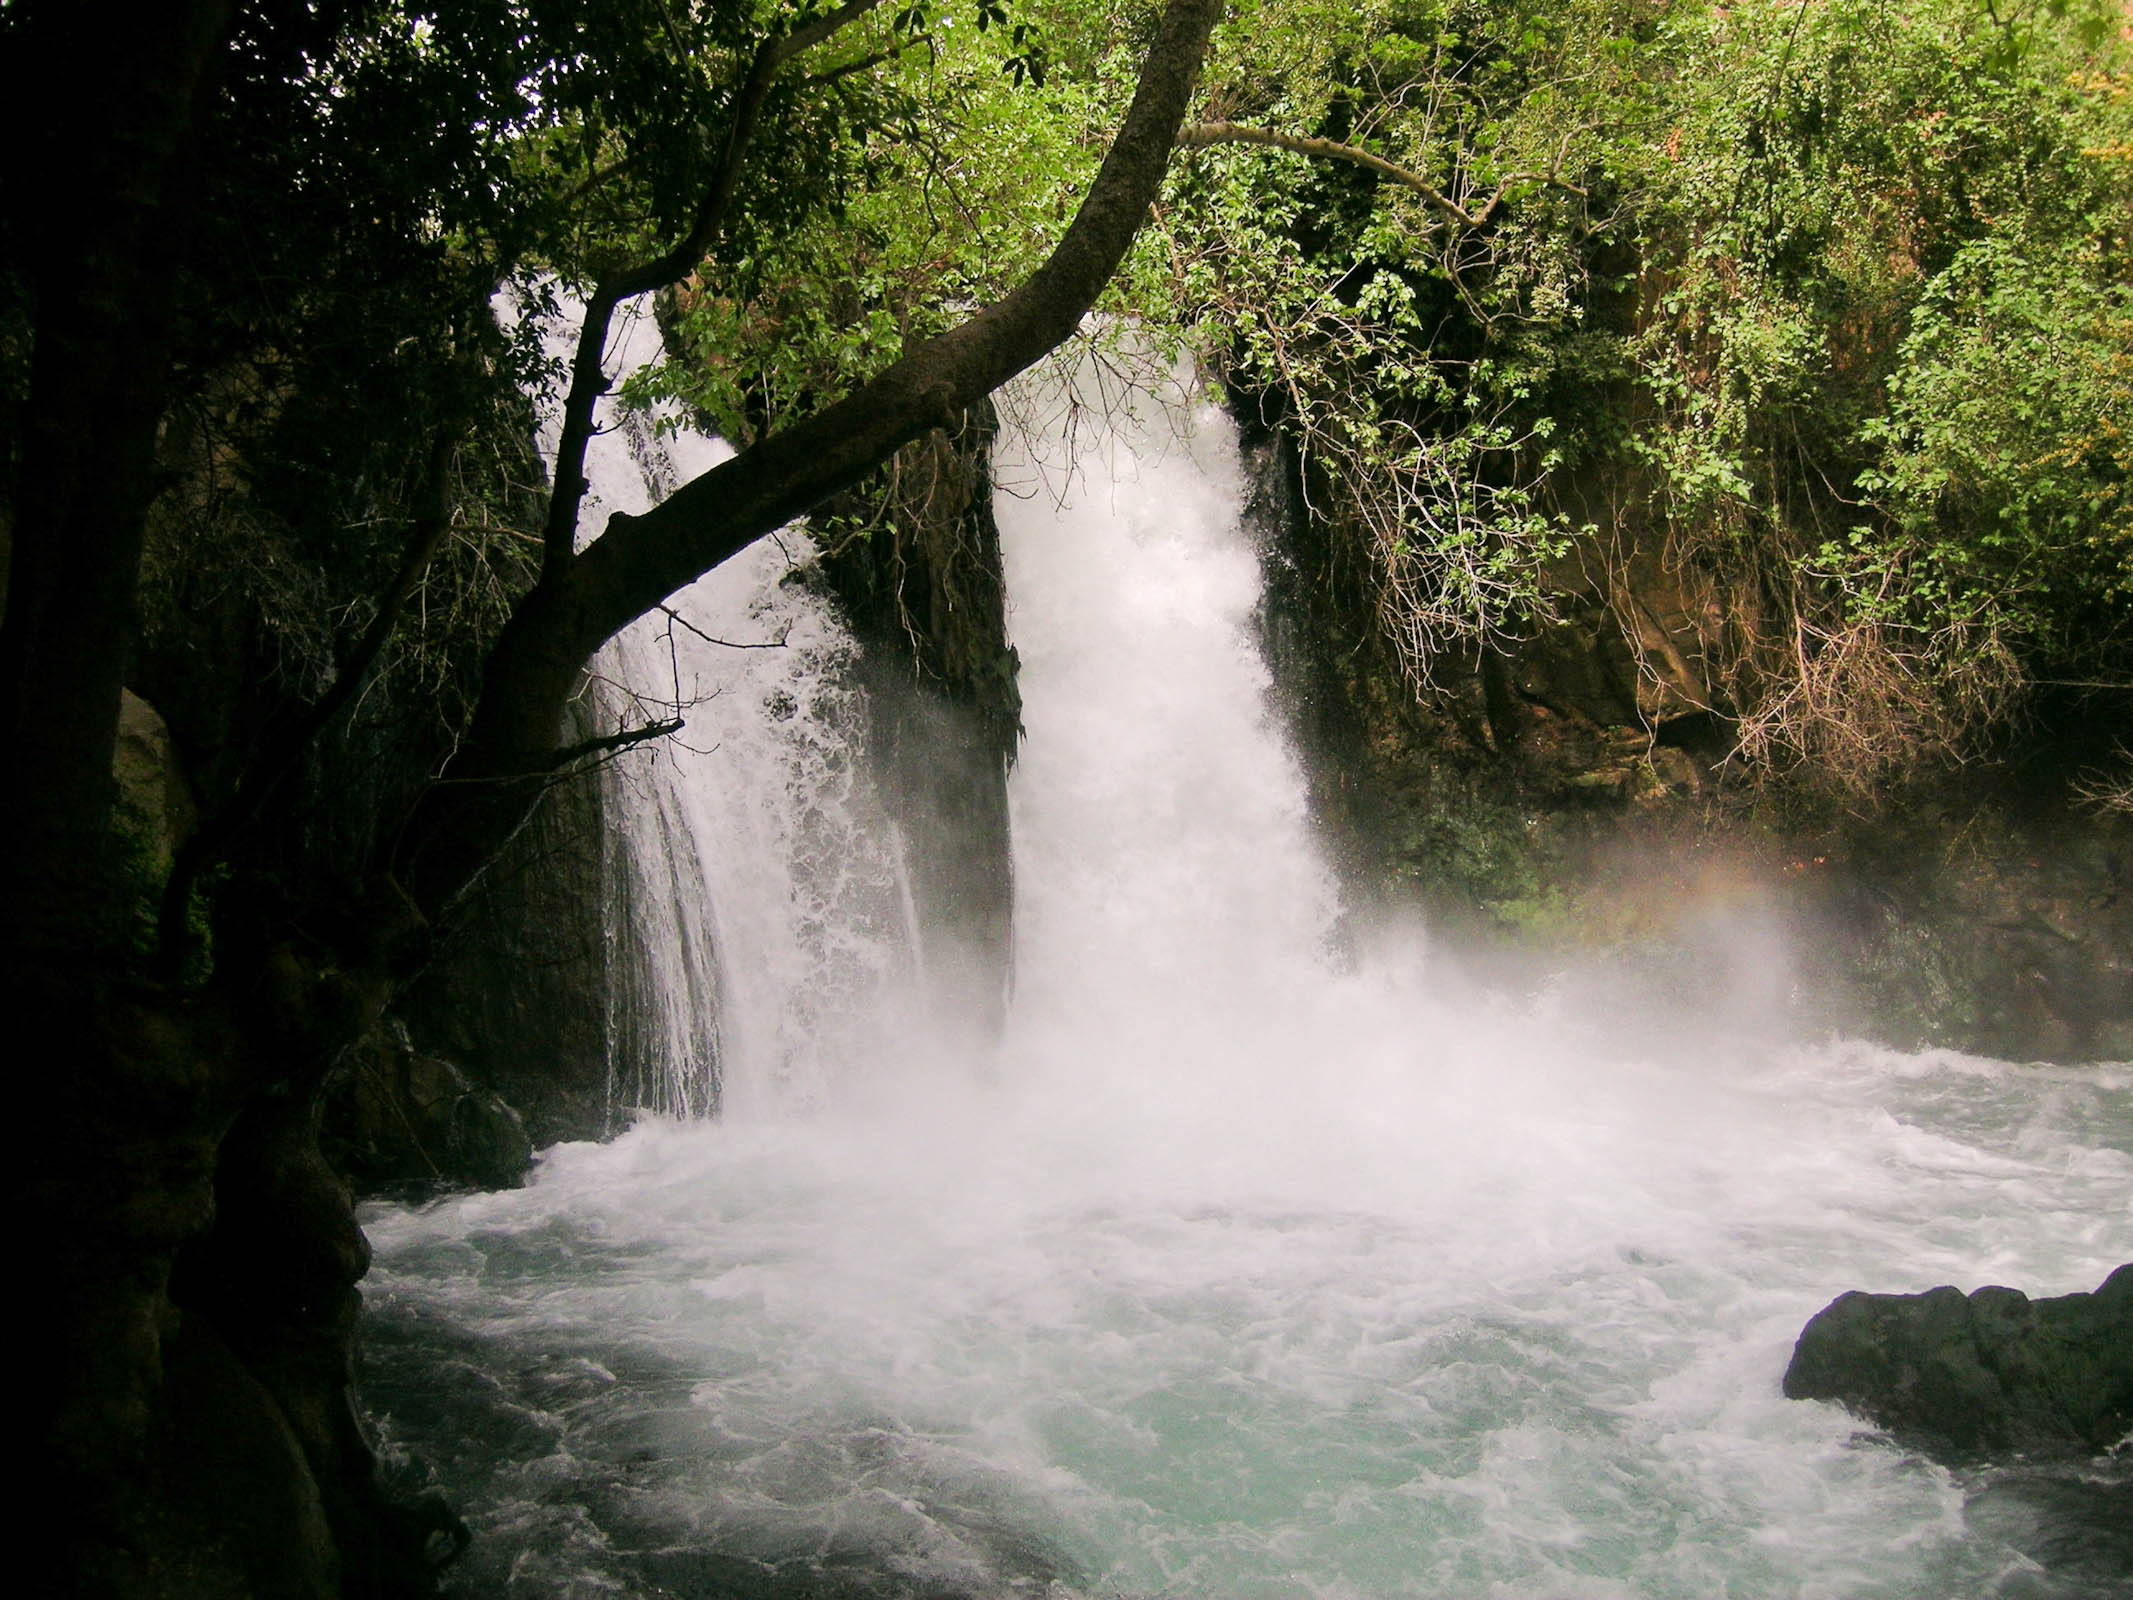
column 1252, row 1261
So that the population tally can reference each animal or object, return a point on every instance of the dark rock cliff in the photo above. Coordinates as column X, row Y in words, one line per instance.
column 914, row 558
column 518, row 994
column 1568, row 794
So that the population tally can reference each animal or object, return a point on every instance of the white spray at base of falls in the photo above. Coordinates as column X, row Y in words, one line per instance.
column 1240, row 1272
column 754, row 882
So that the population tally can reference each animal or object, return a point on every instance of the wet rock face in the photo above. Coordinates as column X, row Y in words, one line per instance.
column 396, row 1117
column 150, row 778
column 518, row 993
column 1960, row 1375
column 914, row 559
column 1569, row 795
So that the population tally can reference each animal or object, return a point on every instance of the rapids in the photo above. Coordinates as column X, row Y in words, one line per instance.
column 1253, row 1261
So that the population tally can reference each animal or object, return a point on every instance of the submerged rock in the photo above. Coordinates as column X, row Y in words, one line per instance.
column 1965, row 1375
column 2073, row 1519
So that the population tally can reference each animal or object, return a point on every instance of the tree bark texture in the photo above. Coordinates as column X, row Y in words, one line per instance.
column 100, row 201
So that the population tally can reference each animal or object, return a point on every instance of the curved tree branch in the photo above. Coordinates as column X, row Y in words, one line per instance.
column 639, row 561
column 1199, row 135
column 588, row 370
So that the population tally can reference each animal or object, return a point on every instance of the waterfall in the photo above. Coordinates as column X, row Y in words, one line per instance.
column 1242, row 1267
column 757, row 912
column 1160, row 820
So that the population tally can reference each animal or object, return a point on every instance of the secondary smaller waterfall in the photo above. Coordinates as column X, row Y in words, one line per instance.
column 757, row 910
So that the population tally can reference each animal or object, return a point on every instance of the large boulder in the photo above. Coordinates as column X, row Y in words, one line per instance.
column 1960, row 1375
column 153, row 797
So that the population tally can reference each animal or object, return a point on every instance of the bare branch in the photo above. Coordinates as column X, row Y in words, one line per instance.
column 819, row 80
column 725, row 644
column 608, row 743
column 803, row 39
column 594, row 179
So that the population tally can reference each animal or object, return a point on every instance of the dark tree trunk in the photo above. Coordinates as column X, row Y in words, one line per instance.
column 100, row 204
column 126, row 1101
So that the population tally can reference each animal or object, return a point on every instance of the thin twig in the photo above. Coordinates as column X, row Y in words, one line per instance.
column 730, row 644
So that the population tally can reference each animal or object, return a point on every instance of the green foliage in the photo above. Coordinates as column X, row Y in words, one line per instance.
column 949, row 169
column 1886, row 338
column 373, row 176
column 1421, row 361
column 2003, row 466
column 1474, row 850
column 141, row 860
column 1826, row 305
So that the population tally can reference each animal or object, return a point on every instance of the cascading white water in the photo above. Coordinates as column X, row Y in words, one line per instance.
column 1239, row 1271
column 754, row 881
column 1161, row 834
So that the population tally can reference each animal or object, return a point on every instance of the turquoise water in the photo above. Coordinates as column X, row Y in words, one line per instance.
column 992, row 1342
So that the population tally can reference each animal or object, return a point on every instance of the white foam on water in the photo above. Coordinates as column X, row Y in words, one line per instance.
column 1240, row 1271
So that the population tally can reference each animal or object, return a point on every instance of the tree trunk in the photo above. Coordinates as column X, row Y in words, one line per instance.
column 101, row 208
